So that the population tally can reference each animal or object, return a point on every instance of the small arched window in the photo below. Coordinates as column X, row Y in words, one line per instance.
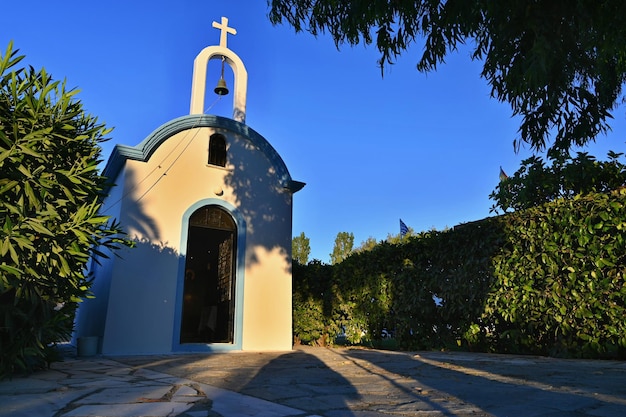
column 217, row 150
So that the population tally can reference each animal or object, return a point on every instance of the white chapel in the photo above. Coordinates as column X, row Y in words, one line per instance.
column 209, row 203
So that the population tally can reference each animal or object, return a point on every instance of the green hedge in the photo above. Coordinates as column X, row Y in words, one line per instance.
column 559, row 287
column 548, row 280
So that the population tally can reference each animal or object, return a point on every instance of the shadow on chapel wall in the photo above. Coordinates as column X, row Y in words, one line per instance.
column 144, row 300
column 135, row 219
column 267, row 209
column 146, row 294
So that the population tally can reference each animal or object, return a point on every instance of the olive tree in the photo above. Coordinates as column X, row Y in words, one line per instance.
column 564, row 176
column 560, row 64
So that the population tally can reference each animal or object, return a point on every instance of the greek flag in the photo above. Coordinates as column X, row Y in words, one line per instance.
column 503, row 175
column 403, row 229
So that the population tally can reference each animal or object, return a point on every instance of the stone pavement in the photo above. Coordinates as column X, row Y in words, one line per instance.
column 101, row 387
column 320, row 382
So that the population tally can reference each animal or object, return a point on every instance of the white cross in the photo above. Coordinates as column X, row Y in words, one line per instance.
column 225, row 30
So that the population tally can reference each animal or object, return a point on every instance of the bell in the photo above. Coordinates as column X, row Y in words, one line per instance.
column 221, row 89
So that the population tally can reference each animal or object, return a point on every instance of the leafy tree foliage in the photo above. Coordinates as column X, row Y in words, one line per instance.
column 560, row 64
column 313, row 317
column 301, row 249
column 368, row 244
column 344, row 243
column 548, row 280
column 536, row 183
column 398, row 238
column 559, row 287
column 50, row 192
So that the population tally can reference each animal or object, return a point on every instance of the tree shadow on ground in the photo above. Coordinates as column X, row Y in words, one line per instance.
column 362, row 382
column 498, row 385
column 304, row 381
column 295, row 379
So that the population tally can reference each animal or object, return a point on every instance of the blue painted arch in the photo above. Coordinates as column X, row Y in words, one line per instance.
column 240, row 224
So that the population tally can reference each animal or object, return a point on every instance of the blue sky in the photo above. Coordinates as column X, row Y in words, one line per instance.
column 422, row 147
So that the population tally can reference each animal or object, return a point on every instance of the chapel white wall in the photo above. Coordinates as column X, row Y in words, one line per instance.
column 141, row 310
column 92, row 312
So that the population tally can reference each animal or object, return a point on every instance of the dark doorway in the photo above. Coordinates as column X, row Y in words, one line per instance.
column 209, row 291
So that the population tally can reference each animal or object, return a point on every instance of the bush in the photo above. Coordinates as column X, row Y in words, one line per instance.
column 559, row 286
column 312, row 316
column 547, row 280
column 536, row 183
column 50, row 192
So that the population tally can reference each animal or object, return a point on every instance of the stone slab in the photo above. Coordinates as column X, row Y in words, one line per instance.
column 127, row 394
column 129, row 410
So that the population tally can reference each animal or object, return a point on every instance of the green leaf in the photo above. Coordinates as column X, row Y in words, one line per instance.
column 38, row 227
column 12, row 253
column 64, row 270
column 9, row 185
column 29, row 151
column 11, row 270
column 4, row 154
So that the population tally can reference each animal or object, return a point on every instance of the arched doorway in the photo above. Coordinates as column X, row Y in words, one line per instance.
column 208, row 308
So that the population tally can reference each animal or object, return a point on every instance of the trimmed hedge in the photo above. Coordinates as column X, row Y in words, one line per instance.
column 559, row 287
column 548, row 280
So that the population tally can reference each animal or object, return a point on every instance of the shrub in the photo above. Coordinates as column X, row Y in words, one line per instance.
column 50, row 192
column 546, row 280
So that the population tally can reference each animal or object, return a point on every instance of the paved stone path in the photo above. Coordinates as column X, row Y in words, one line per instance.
column 320, row 382
column 364, row 383
column 100, row 387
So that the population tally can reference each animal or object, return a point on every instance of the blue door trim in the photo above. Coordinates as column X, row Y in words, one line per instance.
column 239, row 281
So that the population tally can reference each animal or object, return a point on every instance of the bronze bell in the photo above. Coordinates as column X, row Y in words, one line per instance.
column 221, row 89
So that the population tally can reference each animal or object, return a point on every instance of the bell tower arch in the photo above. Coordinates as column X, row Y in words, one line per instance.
column 220, row 52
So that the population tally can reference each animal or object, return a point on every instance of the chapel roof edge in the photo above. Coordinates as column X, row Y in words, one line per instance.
column 144, row 150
